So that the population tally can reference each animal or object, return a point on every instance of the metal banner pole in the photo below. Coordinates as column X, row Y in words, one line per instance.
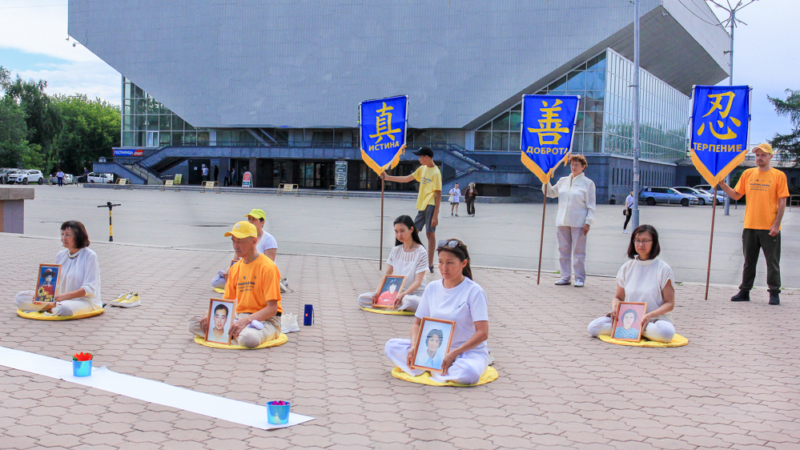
column 380, row 262
column 636, row 149
column 711, row 241
column 541, row 238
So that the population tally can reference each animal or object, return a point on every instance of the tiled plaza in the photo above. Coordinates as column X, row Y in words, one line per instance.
column 734, row 386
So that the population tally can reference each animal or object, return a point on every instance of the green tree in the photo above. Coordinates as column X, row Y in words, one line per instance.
column 789, row 142
column 41, row 115
column 14, row 148
column 89, row 129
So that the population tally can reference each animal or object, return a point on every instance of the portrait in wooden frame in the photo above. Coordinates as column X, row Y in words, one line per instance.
column 430, row 350
column 47, row 284
column 628, row 321
column 221, row 313
column 388, row 291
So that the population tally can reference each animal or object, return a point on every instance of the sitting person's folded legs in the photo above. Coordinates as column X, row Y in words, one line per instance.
column 601, row 325
column 659, row 331
column 466, row 369
column 251, row 337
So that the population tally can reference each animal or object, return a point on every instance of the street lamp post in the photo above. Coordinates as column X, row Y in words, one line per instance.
column 636, row 148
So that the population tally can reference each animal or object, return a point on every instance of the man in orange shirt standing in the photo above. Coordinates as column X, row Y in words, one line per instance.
column 766, row 192
column 254, row 281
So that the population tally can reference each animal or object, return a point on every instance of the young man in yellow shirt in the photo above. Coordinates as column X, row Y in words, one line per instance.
column 254, row 281
column 429, row 198
column 766, row 192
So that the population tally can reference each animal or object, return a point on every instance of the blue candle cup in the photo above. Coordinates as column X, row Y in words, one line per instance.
column 278, row 414
column 82, row 368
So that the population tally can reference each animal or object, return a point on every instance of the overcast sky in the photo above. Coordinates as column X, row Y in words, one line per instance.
column 33, row 44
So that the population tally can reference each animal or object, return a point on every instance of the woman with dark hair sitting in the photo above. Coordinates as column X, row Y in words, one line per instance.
column 645, row 278
column 79, row 280
column 410, row 258
column 455, row 298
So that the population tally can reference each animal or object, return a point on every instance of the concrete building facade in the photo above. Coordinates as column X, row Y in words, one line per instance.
column 273, row 87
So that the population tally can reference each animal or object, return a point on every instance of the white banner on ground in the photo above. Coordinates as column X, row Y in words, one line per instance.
column 147, row 390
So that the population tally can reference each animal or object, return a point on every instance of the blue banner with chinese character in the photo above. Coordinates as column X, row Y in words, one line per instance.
column 720, row 127
column 383, row 131
column 548, row 123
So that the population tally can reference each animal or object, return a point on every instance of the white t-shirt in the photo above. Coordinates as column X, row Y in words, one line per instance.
column 60, row 174
column 456, row 193
column 643, row 282
column 464, row 304
column 629, row 201
column 80, row 270
column 205, row 171
column 409, row 264
column 266, row 242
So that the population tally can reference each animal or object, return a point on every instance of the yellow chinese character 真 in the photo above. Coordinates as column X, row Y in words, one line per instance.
column 383, row 124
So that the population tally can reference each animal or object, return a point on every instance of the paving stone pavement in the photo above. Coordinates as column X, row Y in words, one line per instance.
column 733, row 386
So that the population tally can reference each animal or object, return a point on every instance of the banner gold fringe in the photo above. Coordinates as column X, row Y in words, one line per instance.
column 378, row 169
column 533, row 167
column 708, row 176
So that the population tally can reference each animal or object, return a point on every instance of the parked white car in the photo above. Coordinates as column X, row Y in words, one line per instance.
column 26, row 177
column 704, row 197
column 96, row 177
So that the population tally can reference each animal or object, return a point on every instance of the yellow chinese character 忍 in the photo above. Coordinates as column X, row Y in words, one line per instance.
column 716, row 104
column 550, row 125
column 383, row 124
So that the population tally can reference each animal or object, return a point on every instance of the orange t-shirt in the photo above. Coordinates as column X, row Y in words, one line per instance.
column 763, row 190
column 254, row 284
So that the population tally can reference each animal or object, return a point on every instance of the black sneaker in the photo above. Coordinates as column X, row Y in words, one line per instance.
column 742, row 296
column 774, row 299
column 431, row 269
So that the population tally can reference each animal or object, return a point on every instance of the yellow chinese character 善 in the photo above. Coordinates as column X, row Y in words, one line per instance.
column 550, row 125
column 383, row 124
column 716, row 104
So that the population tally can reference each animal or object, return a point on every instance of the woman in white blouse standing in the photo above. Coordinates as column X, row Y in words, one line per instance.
column 79, row 280
column 645, row 278
column 576, row 205
column 455, row 298
column 410, row 258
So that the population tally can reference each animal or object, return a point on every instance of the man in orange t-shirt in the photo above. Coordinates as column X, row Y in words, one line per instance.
column 254, row 281
column 766, row 192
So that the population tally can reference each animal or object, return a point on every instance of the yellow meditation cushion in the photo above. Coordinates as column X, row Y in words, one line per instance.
column 487, row 377
column 388, row 311
column 36, row 315
column 677, row 341
column 280, row 340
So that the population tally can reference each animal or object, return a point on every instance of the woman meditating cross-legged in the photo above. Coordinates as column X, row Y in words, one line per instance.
column 408, row 258
column 79, row 281
column 455, row 298
column 645, row 278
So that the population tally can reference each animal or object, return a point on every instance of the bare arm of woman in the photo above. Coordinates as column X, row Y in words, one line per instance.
column 414, row 333
column 618, row 297
column 481, row 334
column 70, row 295
column 271, row 253
column 413, row 287
column 668, row 294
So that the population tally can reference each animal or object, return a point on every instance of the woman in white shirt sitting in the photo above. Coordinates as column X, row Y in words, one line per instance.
column 455, row 298
column 410, row 258
column 645, row 278
column 79, row 280
column 576, row 205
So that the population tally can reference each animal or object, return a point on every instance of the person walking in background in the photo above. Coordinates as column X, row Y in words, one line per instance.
column 60, row 177
column 429, row 198
column 227, row 179
column 205, row 173
column 469, row 197
column 628, row 211
column 455, row 199
column 766, row 192
column 233, row 177
column 216, row 174
column 576, row 205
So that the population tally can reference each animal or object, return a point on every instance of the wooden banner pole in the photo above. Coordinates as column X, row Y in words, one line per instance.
column 541, row 239
column 380, row 262
column 711, row 240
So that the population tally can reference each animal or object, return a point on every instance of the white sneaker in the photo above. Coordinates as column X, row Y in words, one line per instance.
column 578, row 283
column 625, row 231
column 289, row 323
column 562, row 282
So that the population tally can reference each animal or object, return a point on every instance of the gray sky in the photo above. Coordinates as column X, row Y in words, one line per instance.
column 33, row 43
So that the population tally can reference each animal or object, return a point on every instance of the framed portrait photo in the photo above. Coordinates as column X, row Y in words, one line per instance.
column 628, row 321
column 220, row 319
column 388, row 290
column 433, row 343
column 47, row 284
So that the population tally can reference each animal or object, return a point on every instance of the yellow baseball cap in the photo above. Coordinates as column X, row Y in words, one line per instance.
column 258, row 214
column 243, row 230
column 764, row 147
